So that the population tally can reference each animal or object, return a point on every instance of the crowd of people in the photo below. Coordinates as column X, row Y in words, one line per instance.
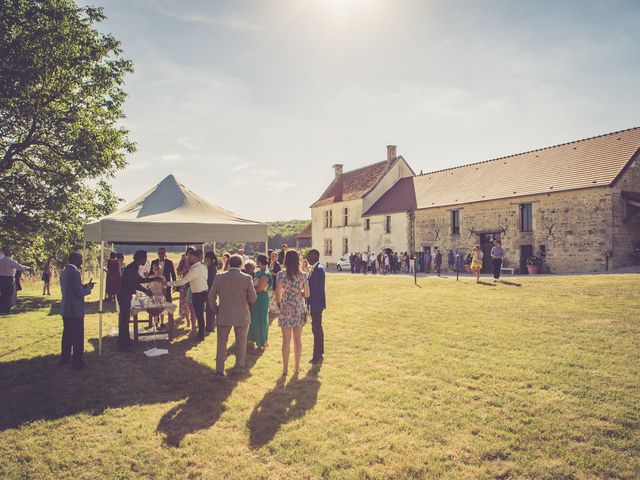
column 389, row 262
column 236, row 293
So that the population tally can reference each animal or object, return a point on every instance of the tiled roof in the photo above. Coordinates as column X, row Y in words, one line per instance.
column 305, row 234
column 399, row 198
column 353, row 184
column 592, row 162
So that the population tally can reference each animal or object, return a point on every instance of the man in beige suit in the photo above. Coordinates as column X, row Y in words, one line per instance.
column 235, row 292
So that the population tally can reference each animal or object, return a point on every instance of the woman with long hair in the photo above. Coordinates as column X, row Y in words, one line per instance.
column 184, row 293
column 291, row 292
column 114, row 277
column 476, row 262
column 274, row 269
column 225, row 261
column 259, row 328
column 46, row 277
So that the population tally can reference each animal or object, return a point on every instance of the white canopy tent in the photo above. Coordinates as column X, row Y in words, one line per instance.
column 170, row 213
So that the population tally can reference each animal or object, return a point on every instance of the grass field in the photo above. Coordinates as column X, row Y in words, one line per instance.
column 537, row 379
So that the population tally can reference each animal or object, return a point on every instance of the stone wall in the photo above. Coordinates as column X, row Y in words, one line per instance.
column 575, row 227
column 625, row 234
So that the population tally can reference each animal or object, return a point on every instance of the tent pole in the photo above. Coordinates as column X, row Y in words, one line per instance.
column 84, row 258
column 266, row 246
column 100, row 301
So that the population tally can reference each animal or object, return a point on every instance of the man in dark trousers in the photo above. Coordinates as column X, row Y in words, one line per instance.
column 317, row 303
column 130, row 283
column 167, row 269
column 196, row 277
column 211, row 261
column 437, row 261
column 8, row 269
column 72, row 311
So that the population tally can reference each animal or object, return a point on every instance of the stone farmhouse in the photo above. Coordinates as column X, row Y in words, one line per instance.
column 577, row 205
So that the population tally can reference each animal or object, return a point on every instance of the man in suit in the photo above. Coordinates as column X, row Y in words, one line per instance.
column 72, row 311
column 167, row 269
column 130, row 283
column 317, row 303
column 235, row 292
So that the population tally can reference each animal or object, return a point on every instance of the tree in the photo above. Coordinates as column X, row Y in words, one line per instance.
column 61, row 103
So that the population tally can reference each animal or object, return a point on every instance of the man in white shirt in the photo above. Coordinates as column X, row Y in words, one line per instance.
column 365, row 260
column 196, row 277
column 245, row 258
column 8, row 267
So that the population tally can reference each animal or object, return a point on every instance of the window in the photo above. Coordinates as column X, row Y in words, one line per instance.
column 387, row 224
column 328, row 219
column 328, row 247
column 346, row 217
column 455, row 222
column 367, row 223
column 345, row 245
column 526, row 217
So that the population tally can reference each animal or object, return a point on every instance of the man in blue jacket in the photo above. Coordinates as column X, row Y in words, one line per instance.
column 317, row 303
column 72, row 311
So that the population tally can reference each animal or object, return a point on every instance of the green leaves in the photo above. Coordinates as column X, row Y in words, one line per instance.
column 61, row 101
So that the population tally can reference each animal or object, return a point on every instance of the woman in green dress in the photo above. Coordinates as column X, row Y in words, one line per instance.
column 259, row 328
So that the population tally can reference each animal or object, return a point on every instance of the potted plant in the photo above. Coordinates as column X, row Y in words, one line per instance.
column 533, row 264
column 467, row 263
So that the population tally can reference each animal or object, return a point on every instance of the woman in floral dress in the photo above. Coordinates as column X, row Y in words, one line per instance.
column 291, row 291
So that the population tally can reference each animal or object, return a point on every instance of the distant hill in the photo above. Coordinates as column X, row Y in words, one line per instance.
column 285, row 232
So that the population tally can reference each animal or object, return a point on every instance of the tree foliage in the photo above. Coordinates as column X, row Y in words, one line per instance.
column 61, row 103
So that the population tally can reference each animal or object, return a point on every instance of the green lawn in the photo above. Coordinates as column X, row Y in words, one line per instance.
column 451, row 380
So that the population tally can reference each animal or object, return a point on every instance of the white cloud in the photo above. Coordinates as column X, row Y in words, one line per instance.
column 137, row 166
column 278, row 187
column 171, row 156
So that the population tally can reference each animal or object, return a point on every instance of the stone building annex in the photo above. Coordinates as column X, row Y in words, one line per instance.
column 576, row 204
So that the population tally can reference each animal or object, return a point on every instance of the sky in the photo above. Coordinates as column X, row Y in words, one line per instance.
column 250, row 103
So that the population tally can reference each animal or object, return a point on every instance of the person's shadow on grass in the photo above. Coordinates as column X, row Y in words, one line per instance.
column 38, row 389
column 282, row 404
column 203, row 408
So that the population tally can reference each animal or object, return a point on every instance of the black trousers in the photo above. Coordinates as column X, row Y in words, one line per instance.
column 124, row 302
column 72, row 339
column 198, row 306
column 6, row 293
column 497, row 266
column 318, row 334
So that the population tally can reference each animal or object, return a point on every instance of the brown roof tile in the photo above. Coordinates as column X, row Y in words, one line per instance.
column 305, row 234
column 399, row 198
column 353, row 184
column 592, row 162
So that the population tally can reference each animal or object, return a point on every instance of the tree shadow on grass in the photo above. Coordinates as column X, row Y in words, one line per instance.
column 90, row 308
column 283, row 404
column 38, row 389
column 30, row 303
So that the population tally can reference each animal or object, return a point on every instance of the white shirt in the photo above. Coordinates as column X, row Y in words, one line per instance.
column 196, row 277
column 245, row 259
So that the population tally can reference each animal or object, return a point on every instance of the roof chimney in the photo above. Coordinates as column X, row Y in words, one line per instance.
column 391, row 154
column 338, row 169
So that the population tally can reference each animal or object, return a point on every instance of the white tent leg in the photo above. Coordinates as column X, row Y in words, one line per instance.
column 266, row 247
column 84, row 258
column 101, row 295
